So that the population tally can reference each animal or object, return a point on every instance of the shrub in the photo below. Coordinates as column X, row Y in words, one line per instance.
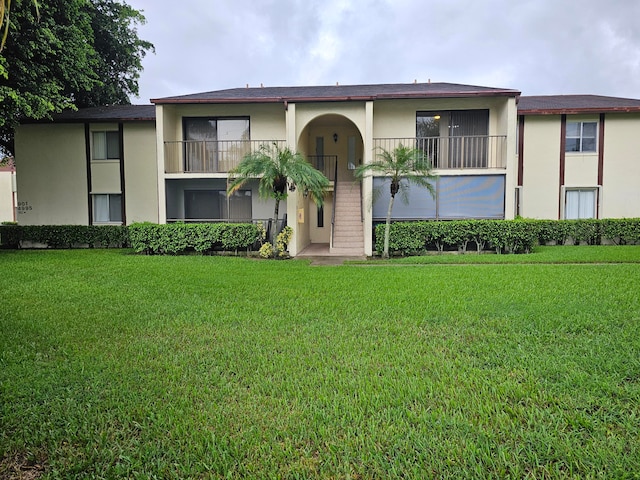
column 177, row 238
column 266, row 250
column 282, row 240
column 65, row 236
column 621, row 231
column 404, row 237
column 504, row 236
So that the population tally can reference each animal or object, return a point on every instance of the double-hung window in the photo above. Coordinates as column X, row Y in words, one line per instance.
column 580, row 203
column 107, row 208
column 106, row 145
column 106, row 196
column 581, row 136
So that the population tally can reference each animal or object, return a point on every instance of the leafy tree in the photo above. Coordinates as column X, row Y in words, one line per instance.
column 5, row 9
column 119, row 53
column 79, row 53
column 403, row 166
column 279, row 171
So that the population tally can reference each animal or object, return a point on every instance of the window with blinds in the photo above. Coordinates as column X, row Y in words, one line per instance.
column 454, row 139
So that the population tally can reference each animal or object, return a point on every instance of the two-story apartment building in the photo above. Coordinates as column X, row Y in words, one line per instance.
column 496, row 155
column 578, row 157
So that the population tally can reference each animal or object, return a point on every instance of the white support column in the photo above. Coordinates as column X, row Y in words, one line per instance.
column 511, row 177
column 292, row 200
column 367, row 183
column 162, row 196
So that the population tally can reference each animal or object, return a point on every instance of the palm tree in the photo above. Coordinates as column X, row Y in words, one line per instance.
column 403, row 166
column 279, row 171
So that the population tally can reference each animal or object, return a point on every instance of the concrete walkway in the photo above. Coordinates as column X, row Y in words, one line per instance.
column 319, row 254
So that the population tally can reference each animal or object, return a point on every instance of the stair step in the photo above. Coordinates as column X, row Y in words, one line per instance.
column 343, row 227
column 347, row 227
column 348, row 252
column 348, row 236
column 355, row 246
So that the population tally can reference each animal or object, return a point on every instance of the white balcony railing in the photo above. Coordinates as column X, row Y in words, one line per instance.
column 479, row 151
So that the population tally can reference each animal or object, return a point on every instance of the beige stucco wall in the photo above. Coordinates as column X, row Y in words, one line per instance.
column 581, row 169
column 105, row 176
column 353, row 113
column 141, row 173
column 621, row 173
column 319, row 234
column 7, row 200
column 620, row 192
column 541, row 174
column 51, row 174
column 266, row 121
column 397, row 118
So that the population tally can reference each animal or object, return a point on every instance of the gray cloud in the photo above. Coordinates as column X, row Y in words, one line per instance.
column 538, row 47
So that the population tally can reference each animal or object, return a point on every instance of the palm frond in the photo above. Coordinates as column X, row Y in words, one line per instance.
column 404, row 165
column 272, row 166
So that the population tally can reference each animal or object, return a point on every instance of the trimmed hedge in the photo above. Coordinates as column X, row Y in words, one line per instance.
column 64, row 236
column 175, row 238
column 504, row 236
column 146, row 238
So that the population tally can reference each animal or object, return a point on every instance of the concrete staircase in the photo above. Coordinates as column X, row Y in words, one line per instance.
column 348, row 235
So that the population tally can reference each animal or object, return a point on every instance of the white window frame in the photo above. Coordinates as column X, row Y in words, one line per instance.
column 596, row 201
column 581, row 137
column 110, row 221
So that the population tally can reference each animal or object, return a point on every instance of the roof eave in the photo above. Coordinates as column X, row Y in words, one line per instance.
column 343, row 98
column 578, row 111
column 85, row 120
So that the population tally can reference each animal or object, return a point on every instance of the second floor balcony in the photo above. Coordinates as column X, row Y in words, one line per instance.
column 459, row 152
column 223, row 156
column 193, row 156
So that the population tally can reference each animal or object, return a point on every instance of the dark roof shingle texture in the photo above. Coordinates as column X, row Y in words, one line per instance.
column 555, row 104
column 111, row 113
column 338, row 93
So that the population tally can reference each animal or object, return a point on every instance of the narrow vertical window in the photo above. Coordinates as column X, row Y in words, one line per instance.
column 106, row 146
column 107, row 208
column 320, row 216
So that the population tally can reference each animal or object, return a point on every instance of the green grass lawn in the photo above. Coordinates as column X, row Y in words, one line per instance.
column 115, row 365
column 546, row 254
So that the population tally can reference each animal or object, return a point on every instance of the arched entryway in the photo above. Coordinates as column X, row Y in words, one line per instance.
column 333, row 144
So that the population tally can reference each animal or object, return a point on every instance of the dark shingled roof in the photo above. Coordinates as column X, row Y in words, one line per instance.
column 112, row 113
column 572, row 104
column 337, row 93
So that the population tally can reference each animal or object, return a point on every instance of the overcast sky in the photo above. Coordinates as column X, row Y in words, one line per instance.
column 536, row 46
